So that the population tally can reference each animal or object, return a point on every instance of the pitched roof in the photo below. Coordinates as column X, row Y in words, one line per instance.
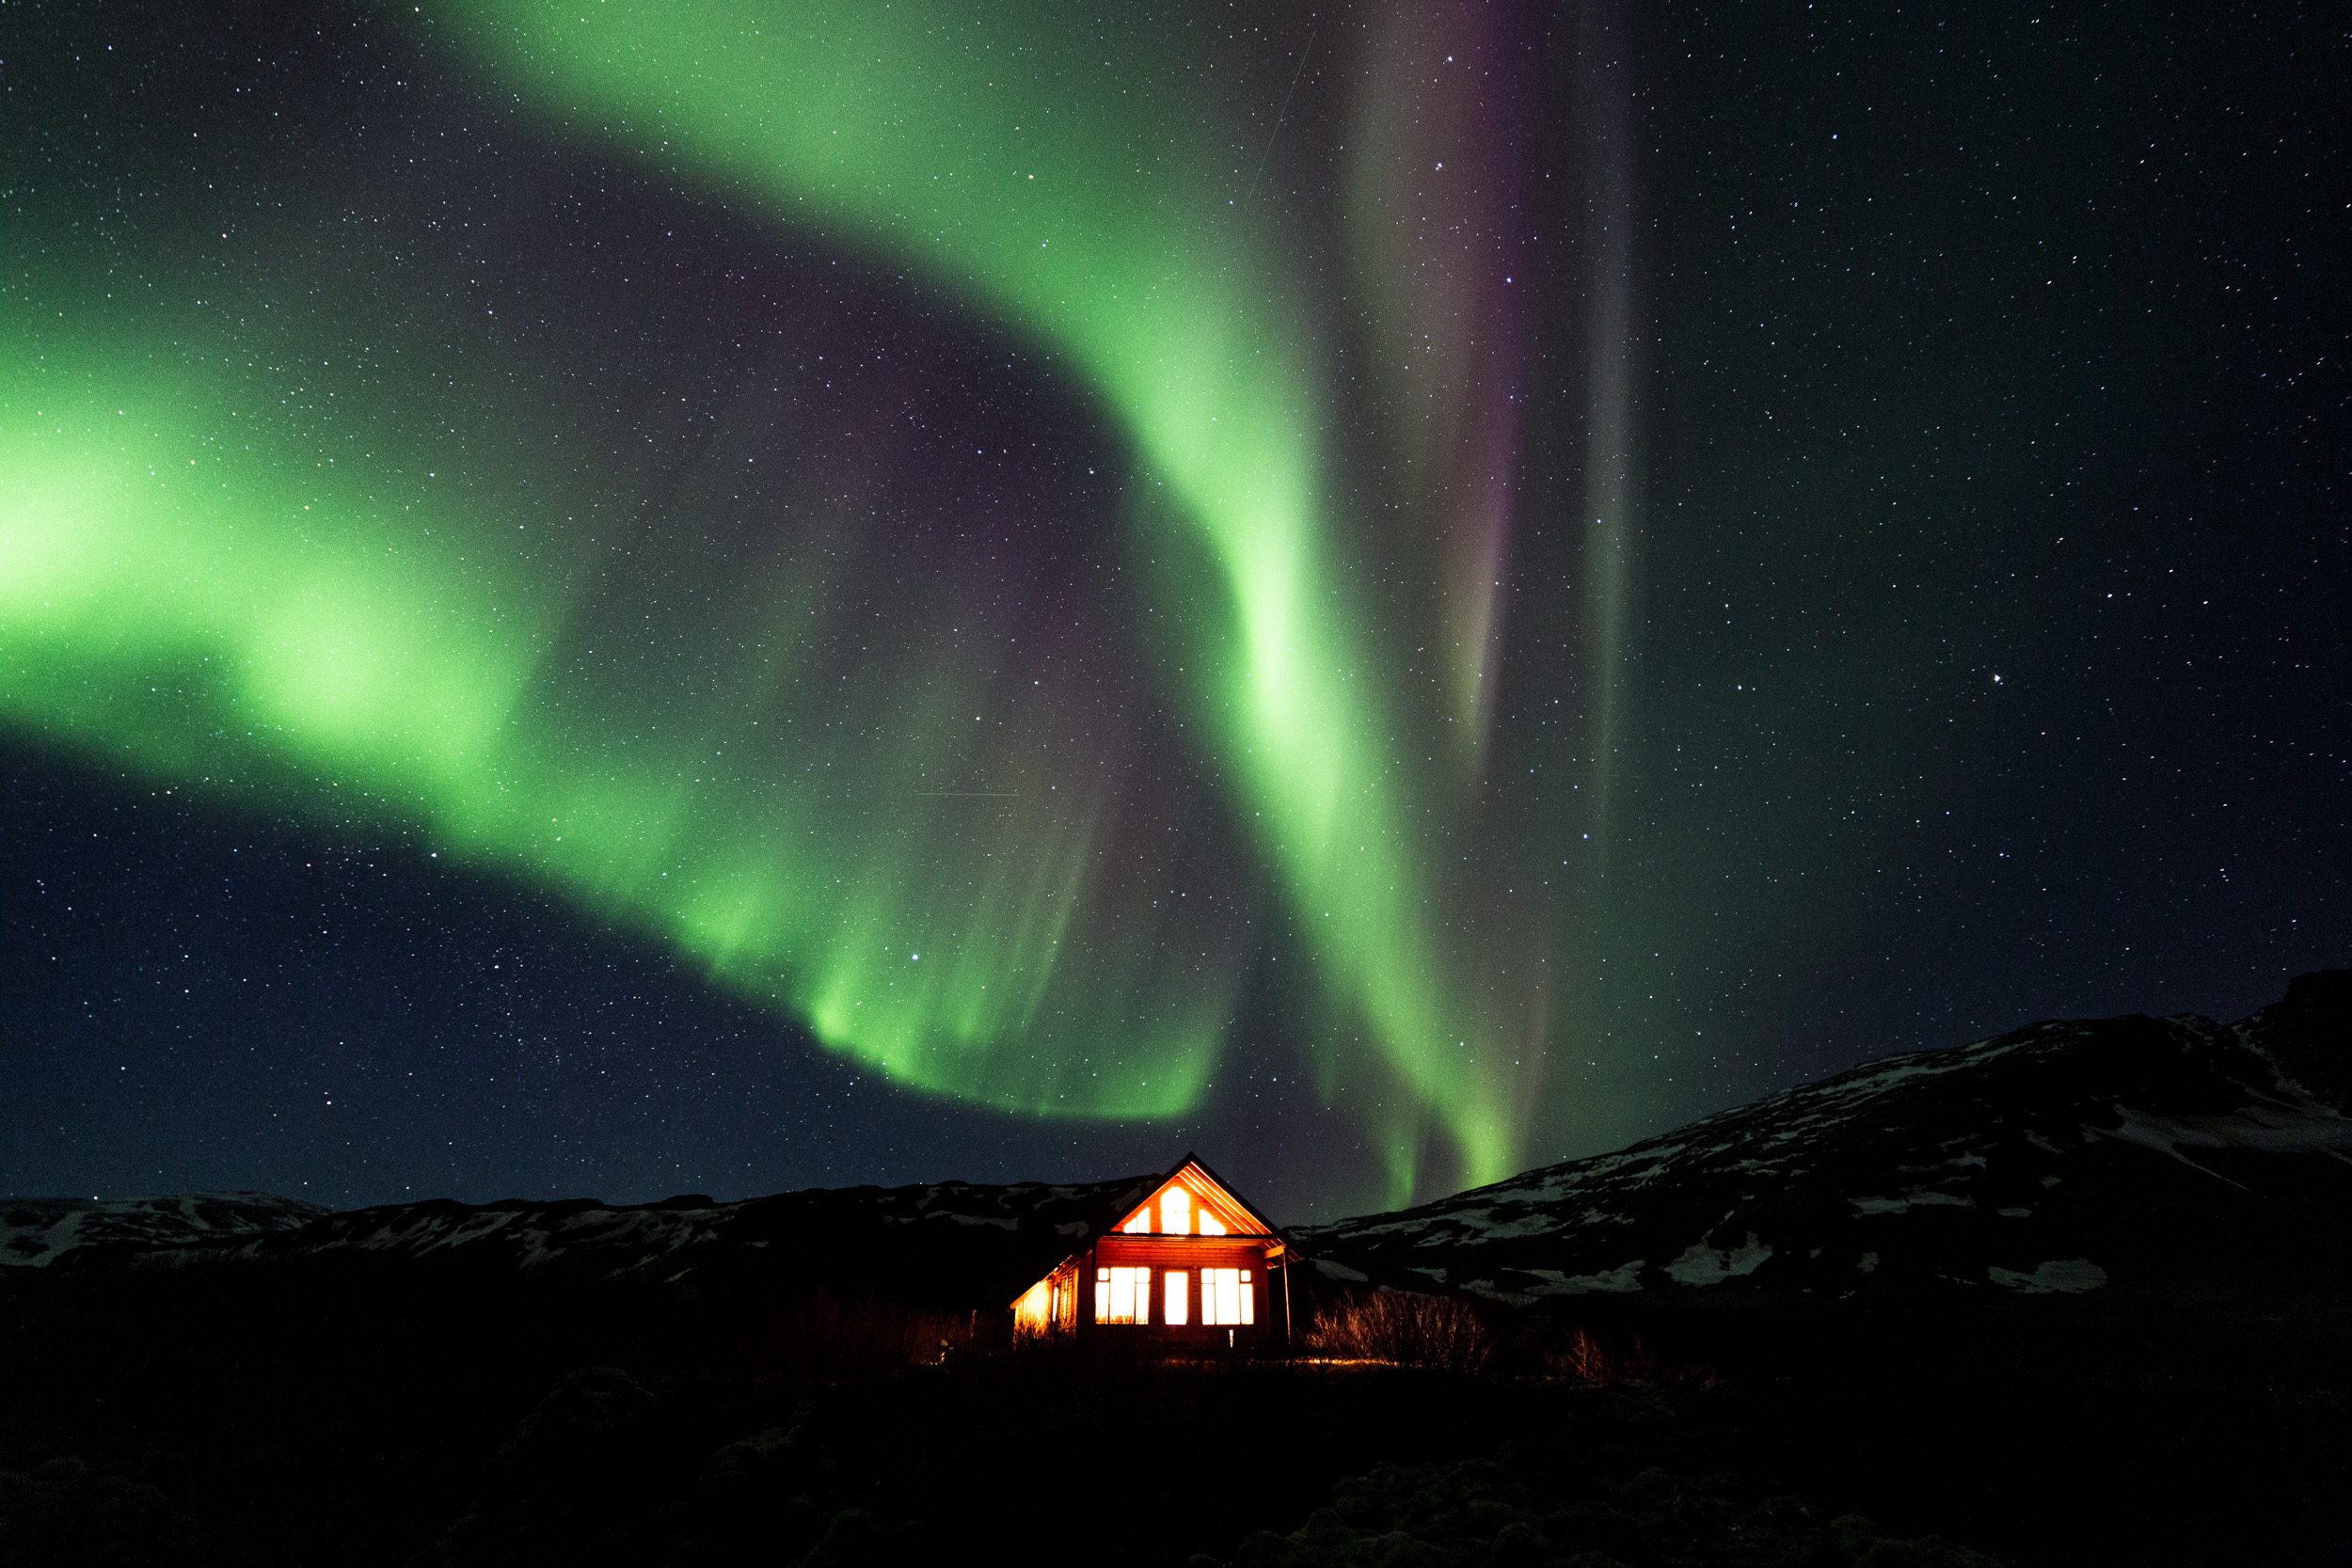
column 1241, row 1218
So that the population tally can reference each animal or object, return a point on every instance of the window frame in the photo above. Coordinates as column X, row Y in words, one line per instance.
column 1229, row 1298
column 1115, row 1283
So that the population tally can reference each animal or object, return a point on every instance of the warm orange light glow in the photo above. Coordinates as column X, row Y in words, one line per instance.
column 1227, row 1297
column 1122, row 1295
column 1190, row 1203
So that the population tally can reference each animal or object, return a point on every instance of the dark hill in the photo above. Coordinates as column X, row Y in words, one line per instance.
column 2100, row 1321
column 2063, row 1158
column 950, row 1244
column 36, row 1232
column 2124, row 1154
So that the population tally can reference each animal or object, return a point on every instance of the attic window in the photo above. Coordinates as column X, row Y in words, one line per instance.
column 1122, row 1295
column 1211, row 1224
column 1176, row 1211
column 1138, row 1223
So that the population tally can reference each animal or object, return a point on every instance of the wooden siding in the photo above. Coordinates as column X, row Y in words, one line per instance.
column 1179, row 1252
column 1246, row 1243
column 1192, row 1254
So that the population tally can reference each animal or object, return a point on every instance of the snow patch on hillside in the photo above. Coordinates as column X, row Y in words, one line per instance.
column 1702, row 1264
column 1625, row 1276
column 1917, row 1198
column 36, row 1232
column 2059, row 1276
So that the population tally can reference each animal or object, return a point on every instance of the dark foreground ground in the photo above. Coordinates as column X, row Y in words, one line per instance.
column 362, row 1417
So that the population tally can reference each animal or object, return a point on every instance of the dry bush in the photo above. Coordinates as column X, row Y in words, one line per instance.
column 1404, row 1327
column 1588, row 1361
column 1617, row 1362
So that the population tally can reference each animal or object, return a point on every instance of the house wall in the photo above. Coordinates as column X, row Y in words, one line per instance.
column 1179, row 1252
column 1161, row 1253
column 1032, row 1315
column 1153, row 1237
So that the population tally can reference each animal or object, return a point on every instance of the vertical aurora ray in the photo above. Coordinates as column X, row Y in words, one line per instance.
column 711, row 708
column 1085, row 213
column 1324, row 578
column 1602, row 69
column 1439, row 242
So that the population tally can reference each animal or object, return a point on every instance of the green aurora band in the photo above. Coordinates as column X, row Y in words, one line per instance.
column 224, row 609
column 221, row 609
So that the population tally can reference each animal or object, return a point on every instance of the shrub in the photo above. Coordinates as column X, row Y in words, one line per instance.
column 1404, row 1327
column 1621, row 1361
column 1588, row 1361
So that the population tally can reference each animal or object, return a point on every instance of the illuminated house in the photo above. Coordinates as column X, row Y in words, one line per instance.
column 1192, row 1267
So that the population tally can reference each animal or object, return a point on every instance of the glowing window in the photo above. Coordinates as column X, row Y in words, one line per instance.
column 1176, row 1211
column 1176, row 1300
column 1227, row 1297
column 1211, row 1224
column 1138, row 1223
column 1122, row 1295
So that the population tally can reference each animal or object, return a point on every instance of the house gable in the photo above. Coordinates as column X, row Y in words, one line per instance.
column 1192, row 1201
column 1191, row 1260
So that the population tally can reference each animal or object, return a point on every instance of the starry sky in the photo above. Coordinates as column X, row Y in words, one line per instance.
column 626, row 600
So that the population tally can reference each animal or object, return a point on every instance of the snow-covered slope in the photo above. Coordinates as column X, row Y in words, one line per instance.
column 994, row 1238
column 2061, row 1158
column 36, row 1232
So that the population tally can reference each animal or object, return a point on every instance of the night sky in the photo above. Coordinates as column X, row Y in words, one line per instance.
column 623, row 599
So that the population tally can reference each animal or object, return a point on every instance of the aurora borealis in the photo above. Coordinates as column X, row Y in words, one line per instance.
column 1106, row 577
